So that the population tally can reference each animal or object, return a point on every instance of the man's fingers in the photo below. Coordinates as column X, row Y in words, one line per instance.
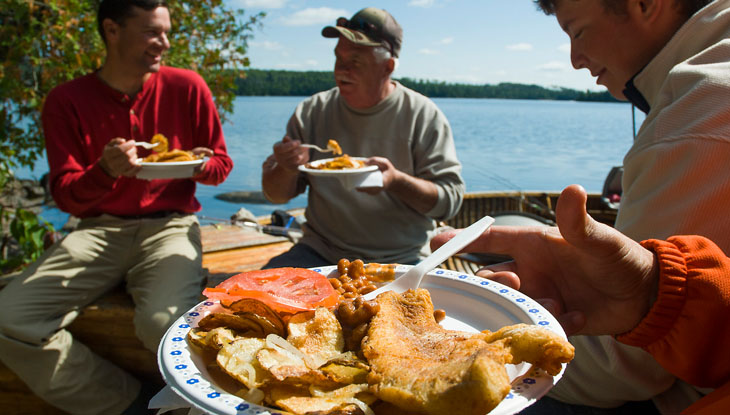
column 495, row 240
column 572, row 322
column 507, row 278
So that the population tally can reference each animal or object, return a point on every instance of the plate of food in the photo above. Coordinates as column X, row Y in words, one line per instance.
column 419, row 352
column 166, row 163
column 338, row 166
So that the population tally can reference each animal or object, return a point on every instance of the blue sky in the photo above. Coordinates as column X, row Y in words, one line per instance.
column 466, row 41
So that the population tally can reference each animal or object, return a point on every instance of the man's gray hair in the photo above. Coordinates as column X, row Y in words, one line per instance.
column 381, row 54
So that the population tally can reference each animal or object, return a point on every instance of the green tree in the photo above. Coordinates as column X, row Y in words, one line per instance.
column 46, row 43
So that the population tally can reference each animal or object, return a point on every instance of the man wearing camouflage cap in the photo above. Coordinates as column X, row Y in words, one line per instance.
column 395, row 128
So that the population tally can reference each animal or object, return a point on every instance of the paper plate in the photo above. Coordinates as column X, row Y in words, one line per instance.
column 471, row 304
column 168, row 170
column 335, row 173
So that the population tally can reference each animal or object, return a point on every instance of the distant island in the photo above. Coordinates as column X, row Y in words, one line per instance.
column 262, row 82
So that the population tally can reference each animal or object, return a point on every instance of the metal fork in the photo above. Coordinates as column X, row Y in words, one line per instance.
column 318, row 148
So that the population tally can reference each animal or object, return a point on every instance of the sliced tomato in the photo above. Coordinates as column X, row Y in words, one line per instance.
column 286, row 290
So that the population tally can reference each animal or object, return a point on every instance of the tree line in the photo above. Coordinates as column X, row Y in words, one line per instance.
column 261, row 82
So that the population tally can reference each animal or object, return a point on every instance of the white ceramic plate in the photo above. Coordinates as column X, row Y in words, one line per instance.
column 334, row 173
column 471, row 304
column 168, row 170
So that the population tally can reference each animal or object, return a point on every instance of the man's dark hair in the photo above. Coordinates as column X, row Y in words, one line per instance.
column 120, row 10
column 686, row 7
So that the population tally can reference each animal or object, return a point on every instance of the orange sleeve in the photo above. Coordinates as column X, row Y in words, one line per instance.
column 687, row 329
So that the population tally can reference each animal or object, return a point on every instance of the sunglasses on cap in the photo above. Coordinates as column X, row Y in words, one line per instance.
column 361, row 25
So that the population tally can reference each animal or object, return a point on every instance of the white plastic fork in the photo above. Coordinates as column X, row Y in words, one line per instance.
column 412, row 278
column 145, row 145
column 318, row 148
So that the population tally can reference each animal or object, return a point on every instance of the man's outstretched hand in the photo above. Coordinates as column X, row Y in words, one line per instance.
column 594, row 279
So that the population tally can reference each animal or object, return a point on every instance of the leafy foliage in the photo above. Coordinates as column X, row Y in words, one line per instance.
column 296, row 83
column 29, row 231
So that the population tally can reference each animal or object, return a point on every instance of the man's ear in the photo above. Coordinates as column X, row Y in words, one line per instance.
column 647, row 11
column 111, row 29
column 390, row 66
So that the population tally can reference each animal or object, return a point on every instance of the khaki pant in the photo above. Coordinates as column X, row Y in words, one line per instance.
column 160, row 261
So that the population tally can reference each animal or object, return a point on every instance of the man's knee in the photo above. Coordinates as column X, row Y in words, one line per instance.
column 151, row 321
column 19, row 323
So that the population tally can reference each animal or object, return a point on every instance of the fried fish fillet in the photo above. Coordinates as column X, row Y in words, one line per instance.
column 419, row 366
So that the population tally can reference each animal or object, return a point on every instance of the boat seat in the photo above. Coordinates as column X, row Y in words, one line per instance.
column 611, row 194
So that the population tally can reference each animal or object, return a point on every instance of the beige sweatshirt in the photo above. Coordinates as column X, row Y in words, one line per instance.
column 406, row 128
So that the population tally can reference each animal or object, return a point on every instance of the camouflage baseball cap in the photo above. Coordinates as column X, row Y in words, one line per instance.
column 369, row 27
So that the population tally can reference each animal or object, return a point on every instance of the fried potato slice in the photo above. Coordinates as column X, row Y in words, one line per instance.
column 211, row 340
column 533, row 344
column 280, row 391
column 257, row 310
column 334, row 146
column 161, row 142
column 346, row 372
column 238, row 359
column 289, row 369
column 175, row 155
column 245, row 323
column 337, row 402
column 318, row 334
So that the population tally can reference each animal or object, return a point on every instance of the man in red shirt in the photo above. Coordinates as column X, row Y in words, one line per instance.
column 141, row 232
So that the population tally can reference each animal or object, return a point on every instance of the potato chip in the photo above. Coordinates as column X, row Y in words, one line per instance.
column 238, row 359
column 317, row 334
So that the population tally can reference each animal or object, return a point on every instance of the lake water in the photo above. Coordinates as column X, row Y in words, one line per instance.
column 502, row 144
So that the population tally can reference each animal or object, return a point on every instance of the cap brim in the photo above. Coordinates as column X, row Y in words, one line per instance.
column 351, row 35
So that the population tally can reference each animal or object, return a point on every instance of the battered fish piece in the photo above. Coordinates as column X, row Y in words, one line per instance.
column 526, row 343
column 419, row 366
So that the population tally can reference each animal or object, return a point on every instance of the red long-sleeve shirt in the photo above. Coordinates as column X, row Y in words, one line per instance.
column 687, row 329
column 81, row 116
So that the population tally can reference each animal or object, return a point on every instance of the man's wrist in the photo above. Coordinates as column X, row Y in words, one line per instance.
column 106, row 169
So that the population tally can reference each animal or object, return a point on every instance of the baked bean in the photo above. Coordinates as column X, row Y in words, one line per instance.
column 342, row 265
column 356, row 269
column 349, row 294
column 335, row 283
column 368, row 288
column 372, row 308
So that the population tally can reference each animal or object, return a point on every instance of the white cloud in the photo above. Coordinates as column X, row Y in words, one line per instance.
column 267, row 45
column 553, row 66
column 313, row 16
column 519, row 47
column 426, row 51
column 565, row 48
column 422, row 3
column 446, row 41
column 259, row 4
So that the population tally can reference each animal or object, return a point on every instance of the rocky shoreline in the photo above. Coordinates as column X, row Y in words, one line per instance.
column 27, row 194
